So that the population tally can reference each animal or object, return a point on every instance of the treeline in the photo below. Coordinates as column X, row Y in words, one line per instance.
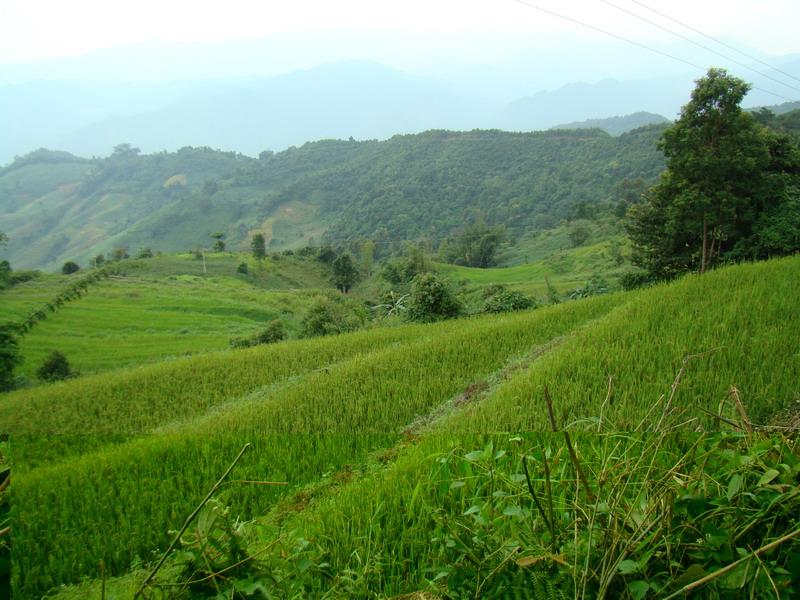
column 731, row 189
column 408, row 187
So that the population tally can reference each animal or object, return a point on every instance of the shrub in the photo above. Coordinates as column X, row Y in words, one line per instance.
column 635, row 279
column 70, row 267
column 499, row 299
column 119, row 254
column 274, row 332
column 5, row 274
column 242, row 268
column 330, row 316
column 54, row 368
column 594, row 287
column 145, row 253
column 345, row 273
column 431, row 299
column 9, row 356
column 326, row 255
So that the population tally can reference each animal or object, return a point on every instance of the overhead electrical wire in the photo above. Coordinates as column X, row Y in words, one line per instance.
column 630, row 41
column 718, row 41
column 698, row 44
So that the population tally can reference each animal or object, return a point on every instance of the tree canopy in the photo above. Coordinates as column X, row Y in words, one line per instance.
column 727, row 192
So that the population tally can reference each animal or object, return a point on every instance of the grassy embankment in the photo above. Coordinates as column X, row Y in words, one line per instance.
column 739, row 320
column 163, row 307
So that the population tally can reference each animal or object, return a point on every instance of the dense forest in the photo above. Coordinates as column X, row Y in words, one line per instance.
column 56, row 207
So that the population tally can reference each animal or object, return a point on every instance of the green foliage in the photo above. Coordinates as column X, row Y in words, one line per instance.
column 210, row 187
column 553, row 296
column 401, row 525
column 258, row 246
column 144, row 253
column 153, row 421
column 499, row 299
column 326, row 255
column 519, row 519
column 9, row 355
column 431, row 299
column 333, row 315
column 5, row 274
column 595, row 286
column 476, row 246
column 5, row 519
column 242, row 268
column 274, row 332
column 345, row 273
column 70, row 267
column 521, row 180
column 212, row 553
column 98, row 260
column 54, row 368
column 402, row 270
column 635, row 279
column 729, row 185
column 119, row 254
column 367, row 252
column 579, row 234
column 219, row 243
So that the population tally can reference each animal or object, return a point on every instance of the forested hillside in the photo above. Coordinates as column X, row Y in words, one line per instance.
column 56, row 207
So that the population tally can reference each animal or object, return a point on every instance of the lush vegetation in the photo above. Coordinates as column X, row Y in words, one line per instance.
column 731, row 189
column 404, row 188
column 374, row 407
column 385, row 512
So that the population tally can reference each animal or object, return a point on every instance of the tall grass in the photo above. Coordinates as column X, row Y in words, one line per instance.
column 440, row 517
column 117, row 503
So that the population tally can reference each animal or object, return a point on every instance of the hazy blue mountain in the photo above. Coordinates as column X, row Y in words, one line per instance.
column 617, row 125
column 41, row 113
column 580, row 101
column 359, row 99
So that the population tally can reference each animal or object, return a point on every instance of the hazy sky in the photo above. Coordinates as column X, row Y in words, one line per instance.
column 41, row 29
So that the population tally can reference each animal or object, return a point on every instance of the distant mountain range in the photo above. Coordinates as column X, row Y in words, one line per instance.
column 617, row 125
column 360, row 99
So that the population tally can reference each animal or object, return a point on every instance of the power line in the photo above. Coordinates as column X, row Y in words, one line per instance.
column 713, row 39
column 698, row 44
column 630, row 41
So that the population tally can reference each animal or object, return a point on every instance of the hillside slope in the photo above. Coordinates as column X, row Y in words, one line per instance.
column 55, row 207
column 463, row 378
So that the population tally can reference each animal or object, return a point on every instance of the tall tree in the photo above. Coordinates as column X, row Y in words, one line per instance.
column 219, row 243
column 258, row 246
column 345, row 273
column 718, row 182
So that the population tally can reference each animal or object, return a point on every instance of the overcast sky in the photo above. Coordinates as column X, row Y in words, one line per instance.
column 42, row 29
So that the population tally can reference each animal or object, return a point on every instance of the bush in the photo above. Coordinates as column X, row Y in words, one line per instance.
column 274, row 332
column 332, row 316
column 54, row 368
column 499, row 299
column 145, row 253
column 5, row 274
column 119, row 254
column 431, row 299
column 594, row 287
column 70, row 267
column 242, row 268
column 9, row 356
column 635, row 279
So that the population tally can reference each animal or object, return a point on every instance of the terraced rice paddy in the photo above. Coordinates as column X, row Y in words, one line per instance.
column 357, row 426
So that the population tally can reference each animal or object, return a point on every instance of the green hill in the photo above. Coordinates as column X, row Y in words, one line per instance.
column 55, row 207
column 360, row 508
column 165, row 307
